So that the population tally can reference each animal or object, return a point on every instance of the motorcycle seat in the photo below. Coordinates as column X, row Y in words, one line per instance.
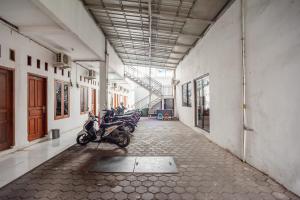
column 122, row 117
column 111, row 124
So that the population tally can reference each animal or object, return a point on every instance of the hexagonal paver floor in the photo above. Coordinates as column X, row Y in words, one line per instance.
column 206, row 171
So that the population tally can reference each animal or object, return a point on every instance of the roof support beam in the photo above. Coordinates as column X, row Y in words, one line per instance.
column 152, row 61
column 144, row 55
column 153, row 66
column 116, row 8
column 160, row 42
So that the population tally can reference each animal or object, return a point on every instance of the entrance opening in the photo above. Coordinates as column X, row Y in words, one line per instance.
column 94, row 101
column 6, row 109
column 202, row 112
column 37, row 112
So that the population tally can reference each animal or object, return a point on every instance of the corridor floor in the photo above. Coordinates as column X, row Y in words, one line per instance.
column 206, row 171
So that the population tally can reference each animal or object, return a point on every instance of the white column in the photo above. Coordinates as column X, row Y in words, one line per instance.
column 102, row 87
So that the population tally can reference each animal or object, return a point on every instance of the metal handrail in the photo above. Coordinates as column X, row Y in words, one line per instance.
column 133, row 71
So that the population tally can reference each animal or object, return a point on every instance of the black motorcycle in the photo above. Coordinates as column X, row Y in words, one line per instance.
column 129, row 123
column 113, row 133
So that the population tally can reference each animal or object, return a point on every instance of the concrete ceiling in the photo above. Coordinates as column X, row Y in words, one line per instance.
column 33, row 22
column 176, row 26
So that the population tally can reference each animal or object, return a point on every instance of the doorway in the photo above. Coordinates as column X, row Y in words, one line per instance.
column 37, row 112
column 94, row 109
column 202, row 103
column 6, row 109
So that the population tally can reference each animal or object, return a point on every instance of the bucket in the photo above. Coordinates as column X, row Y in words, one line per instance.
column 55, row 133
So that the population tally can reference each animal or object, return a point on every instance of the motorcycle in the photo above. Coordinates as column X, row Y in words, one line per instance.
column 129, row 121
column 113, row 133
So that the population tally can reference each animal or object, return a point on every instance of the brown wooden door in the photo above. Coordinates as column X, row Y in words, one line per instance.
column 6, row 109
column 94, row 101
column 36, row 107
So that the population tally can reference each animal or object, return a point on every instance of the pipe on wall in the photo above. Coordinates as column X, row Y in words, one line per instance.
column 244, row 69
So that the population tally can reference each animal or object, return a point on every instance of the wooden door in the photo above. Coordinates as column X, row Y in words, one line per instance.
column 6, row 109
column 94, row 102
column 36, row 107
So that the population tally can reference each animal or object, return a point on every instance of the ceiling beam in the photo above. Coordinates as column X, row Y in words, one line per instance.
column 160, row 43
column 152, row 61
column 155, row 51
column 160, row 31
column 152, row 66
column 143, row 55
column 117, row 8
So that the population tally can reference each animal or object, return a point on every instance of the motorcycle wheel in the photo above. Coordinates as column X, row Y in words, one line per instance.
column 82, row 139
column 130, row 128
column 123, row 140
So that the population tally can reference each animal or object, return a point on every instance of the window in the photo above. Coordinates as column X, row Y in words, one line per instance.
column 84, row 99
column 62, row 99
column 55, row 70
column 69, row 74
column 12, row 55
column 29, row 60
column 62, row 72
column 38, row 63
column 187, row 94
column 46, row 66
column 202, row 107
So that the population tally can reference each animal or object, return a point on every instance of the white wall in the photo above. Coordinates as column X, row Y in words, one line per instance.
column 272, row 59
column 273, row 69
column 114, row 61
column 72, row 16
column 222, row 63
column 23, row 47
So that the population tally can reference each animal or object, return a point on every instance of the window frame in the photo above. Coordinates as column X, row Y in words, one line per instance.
column 188, row 96
column 62, row 116
column 195, row 102
column 85, row 99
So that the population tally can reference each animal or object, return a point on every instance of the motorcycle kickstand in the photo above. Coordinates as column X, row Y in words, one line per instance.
column 98, row 145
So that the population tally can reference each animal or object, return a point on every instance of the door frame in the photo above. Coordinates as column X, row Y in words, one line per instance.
column 94, row 97
column 195, row 101
column 46, row 98
column 14, row 103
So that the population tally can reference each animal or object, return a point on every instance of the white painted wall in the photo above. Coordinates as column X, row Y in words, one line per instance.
column 272, row 58
column 23, row 47
column 273, row 69
column 114, row 61
column 222, row 62
column 72, row 16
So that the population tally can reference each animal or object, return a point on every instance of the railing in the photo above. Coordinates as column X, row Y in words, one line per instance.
column 150, row 84
column 167, row 90
column 143, row 79
column 142, row 103
column 152, row 105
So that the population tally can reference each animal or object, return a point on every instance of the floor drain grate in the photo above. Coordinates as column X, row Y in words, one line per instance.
column 135, row 164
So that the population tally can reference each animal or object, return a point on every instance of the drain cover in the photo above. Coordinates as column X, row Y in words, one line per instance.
column 136, row 164
column 114, row 164
column 162, row 164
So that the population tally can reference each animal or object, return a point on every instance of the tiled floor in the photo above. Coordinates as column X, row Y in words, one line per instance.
column 205, row 171
column 14, row 165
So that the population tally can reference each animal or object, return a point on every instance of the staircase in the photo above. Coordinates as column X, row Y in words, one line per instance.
column 143, row 80
column 150, row 84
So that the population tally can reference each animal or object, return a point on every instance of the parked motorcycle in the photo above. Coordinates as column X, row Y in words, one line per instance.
column 113, row 132
column 130, row 120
